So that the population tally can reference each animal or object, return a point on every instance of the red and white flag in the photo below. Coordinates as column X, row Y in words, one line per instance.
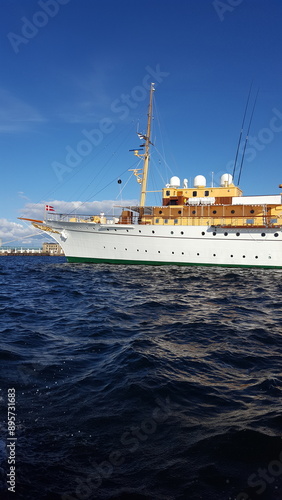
column 48, row 208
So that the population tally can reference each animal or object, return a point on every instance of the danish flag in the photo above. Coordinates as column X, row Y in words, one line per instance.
column 48, row 208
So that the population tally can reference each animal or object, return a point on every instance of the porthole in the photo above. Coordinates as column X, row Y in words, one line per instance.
column 159, row 251
column 179, row 212
column 231, row 255
column 193, row 212
column 127, row 230
column 181, row 232
column 237, row 234
column 263, row 234
column 198, row 254
column 256, row 257
column 153, row 232
column 139, row 230
column 233, row 211
column 182, row 253
column 125, row 249
column 214, row 211
column 146, row 251
column 203, row 233
column 171, row 232
column 244, row 256
column 214, row 254
column 114, row 248
column 172, row 253
column 225, row 234
column 160, row 211
column 276, row 234
column 214, row 233
column 137, row 250
column 252, row 211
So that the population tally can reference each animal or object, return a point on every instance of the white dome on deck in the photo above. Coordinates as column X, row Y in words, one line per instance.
column 174, row 182
column 226, row 180
column 200, row 180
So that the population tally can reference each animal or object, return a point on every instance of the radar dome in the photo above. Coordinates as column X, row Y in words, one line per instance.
column 226, row 180
column 200, row 181
column 174, row 182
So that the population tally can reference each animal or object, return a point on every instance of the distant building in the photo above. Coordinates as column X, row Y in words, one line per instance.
column 52, row 249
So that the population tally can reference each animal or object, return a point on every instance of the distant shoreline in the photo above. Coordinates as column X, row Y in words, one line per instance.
column 26, row 254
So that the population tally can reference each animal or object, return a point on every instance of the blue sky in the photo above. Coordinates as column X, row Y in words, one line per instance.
column 73, row 93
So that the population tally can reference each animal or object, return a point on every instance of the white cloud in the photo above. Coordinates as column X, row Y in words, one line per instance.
column 109, row 207
column 16, row 233
column 23, row 233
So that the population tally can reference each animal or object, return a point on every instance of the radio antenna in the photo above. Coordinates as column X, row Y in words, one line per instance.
column 242, row 128
column 247, row 138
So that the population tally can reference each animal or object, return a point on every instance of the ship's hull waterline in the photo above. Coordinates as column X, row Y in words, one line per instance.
column 169, row 245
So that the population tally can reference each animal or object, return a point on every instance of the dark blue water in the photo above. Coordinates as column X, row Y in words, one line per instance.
column 136, row 383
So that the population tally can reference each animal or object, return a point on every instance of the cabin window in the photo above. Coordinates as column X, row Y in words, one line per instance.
column 181, row 232
column 237, row 234
column 249, row 221
column 207, row 193
column 203, row 234
column 276, row 234
column 194, row 193
column 157, row 221
column 167, row 193
column 214, row 211
column 214, row 233
column 166, row 221
column 175, row 221
column 273, row 221
column 193, row 212
column 179, row 212
column 225, row 234
column 252, row 211
column 233, row 211
column 153, row 232
column 263, row 234
column 160, row 212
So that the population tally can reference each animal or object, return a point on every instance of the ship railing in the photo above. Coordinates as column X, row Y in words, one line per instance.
column 95, row 219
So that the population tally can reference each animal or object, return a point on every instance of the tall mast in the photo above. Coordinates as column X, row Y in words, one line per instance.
column 147, row 150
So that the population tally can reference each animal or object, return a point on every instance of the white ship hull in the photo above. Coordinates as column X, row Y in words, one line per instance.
column 174, row 245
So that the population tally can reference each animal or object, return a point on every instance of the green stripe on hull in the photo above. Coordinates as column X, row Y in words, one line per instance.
column 156, row 263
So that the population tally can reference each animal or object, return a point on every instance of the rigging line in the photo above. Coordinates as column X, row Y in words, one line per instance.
column 241, row 132
column 98, row 192
column 77, row 170
column 163, row 159
column 121, row 190
column 247, row 137
column 106, row 163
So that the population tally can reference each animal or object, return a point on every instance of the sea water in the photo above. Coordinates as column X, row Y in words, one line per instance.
column 136, row 383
